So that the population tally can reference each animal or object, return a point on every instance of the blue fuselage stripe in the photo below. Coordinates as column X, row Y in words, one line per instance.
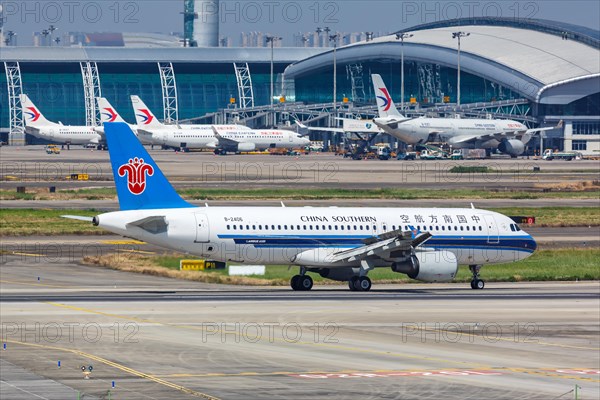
column 520, row 243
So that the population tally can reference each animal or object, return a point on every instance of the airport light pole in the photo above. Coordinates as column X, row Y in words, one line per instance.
column 45, row 34
column 9, row 37
column 318, row 31
column 458, row 35
column 51, row 29
column 272, row 40
column 401, row 37
column 327, row 30
column 334, row 38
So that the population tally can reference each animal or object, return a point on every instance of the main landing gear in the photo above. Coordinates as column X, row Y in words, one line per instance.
column 359, row 283
column 301, row 282
column 476, row 283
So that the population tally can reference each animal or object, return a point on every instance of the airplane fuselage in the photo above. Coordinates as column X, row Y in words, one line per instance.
column 306, row 235
column 203, row 136
column 66, row 134
column 449, row 130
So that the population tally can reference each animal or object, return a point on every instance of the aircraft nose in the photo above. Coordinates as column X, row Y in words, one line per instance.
column 532, row 243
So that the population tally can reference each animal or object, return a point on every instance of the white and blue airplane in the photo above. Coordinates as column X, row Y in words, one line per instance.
column 508, row 136
column 338, row 243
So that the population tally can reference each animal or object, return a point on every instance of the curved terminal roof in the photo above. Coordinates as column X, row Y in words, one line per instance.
column 542, row 66
column 177, row 55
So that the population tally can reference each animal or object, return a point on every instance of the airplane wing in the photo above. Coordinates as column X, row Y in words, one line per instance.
column 224, row 141
column 316, row 128
column 388, row 246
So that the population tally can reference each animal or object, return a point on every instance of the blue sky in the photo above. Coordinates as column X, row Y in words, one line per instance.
column 278, row 17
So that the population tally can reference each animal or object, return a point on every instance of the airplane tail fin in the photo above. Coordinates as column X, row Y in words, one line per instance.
column 140, row 183
column 385, row 104
column 107, row 111
column 31, row 114
column 143, row 116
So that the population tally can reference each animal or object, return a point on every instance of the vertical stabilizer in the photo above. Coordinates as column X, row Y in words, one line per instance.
column 385, row 104
column 140, row 183
column 143, row 116
column 107, row 111
column 32, row 115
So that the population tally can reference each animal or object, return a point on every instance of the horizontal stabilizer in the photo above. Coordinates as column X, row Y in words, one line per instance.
column 78, row 217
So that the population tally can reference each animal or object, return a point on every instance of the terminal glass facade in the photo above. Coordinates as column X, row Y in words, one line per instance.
column 426, row 83
column 57, row 88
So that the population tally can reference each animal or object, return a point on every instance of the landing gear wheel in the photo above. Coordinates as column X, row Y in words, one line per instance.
column 353, row 283
column 364, row 284
column 294, row 282
column 476, row 283
column 305, row 282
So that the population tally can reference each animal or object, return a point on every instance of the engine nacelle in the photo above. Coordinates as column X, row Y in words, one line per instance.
column 246, row 147
column 429, row 266
column 513, row 147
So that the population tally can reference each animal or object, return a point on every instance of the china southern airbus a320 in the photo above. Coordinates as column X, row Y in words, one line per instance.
column 338, row 243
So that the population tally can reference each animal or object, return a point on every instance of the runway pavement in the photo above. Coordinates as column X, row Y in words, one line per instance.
column 159, row 338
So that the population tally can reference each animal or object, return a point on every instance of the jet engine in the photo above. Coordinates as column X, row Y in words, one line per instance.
column 429, row 266
column 246, row 147
column 513, row 147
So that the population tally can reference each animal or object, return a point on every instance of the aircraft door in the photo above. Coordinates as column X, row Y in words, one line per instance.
column 291, row 136
column 492, row 228
column 52, row 132
column 202, row 229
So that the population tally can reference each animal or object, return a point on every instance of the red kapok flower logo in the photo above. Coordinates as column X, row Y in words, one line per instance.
column 136, row 170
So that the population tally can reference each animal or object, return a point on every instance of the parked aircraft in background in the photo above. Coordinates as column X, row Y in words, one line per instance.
column 221, row 138
column 508, row 136
column 37, row 125
column 338, row 243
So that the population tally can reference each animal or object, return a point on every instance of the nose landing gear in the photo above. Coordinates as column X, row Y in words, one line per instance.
column 476, row 283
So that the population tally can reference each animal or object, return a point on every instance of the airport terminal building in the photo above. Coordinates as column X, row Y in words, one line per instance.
column 549, row 70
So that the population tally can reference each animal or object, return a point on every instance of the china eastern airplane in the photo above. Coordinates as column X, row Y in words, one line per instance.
column 221, row 138
column 37, row 125
column 508, row 136
column 339, row 243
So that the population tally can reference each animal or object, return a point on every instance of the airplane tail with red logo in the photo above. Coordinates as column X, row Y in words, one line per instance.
column 140, row 184
column 107, row 111
column 32, row 115
column 385, row 104
column 143, row 116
